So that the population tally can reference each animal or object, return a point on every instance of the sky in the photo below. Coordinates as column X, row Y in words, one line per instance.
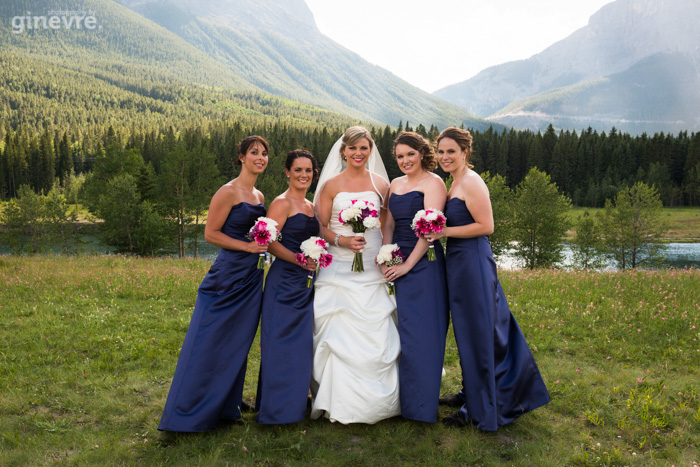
column 417, row 39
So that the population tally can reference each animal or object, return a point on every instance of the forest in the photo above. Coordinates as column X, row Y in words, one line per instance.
column 587, row 166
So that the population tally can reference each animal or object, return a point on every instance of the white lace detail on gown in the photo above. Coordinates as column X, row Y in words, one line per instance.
column 356, row 343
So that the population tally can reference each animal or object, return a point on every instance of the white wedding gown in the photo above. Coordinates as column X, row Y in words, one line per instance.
column 356, row 343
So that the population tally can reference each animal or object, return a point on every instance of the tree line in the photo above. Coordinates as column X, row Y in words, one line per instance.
column 588, row 167
column 151, row 188
column 531, row 220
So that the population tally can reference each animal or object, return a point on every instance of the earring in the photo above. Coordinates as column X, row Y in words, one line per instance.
column 344, row 158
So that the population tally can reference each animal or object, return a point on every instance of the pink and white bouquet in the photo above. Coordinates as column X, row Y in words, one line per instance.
column 389, row 255
column 427, row 221
column 263, row 233
column 314, row 248
column 362, row 216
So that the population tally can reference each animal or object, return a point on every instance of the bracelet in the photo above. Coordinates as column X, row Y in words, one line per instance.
column 337, row 237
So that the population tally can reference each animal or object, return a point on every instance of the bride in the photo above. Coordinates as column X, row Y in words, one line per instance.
column 356, row 343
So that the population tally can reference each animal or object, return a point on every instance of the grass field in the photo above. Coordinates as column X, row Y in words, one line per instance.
column 88, row 346
column 684, row 222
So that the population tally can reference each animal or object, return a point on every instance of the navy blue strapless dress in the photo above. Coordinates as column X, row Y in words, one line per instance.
column 208, row 384
column 287, row 332
column 500, row 377
column 421, row 305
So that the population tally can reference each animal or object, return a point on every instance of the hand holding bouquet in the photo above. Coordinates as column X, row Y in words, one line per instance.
column 263, row 233
column 314, row 248
column 362, row 216
column 389, row 255
column 427, row 221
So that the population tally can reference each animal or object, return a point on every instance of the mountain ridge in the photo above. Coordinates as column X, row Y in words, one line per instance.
column 275, row 45
column 617, row 39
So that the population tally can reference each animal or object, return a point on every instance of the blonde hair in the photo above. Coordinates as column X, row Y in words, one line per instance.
column 353, row 135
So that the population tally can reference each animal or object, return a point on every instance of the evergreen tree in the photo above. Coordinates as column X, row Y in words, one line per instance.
column 632, row 227
column 60, row 224
column 130, row 225
column 502, row 206
column 658, row 176
column 23, row 221
column 204, row 179
column 64, row 160
column 175, row 188
column 540, row 221
column 586, row 247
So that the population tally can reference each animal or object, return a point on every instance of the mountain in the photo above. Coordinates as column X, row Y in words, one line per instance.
column 635, row 66
column 122, row 42
column 276, row 46
column 124, row 72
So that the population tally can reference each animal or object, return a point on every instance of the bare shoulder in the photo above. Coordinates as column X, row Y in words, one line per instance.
column 434, row 182
column 332, row 186
column 381, row 182
column 227, row 194
column 259, row 195
column 281, row 203
column 473, row 183
column 397, row 183
column 280, row 207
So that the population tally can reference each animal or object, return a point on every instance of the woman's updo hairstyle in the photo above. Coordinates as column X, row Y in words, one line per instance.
column 247, row 143
column 414, row 140
column 296, row 154
column 353, row 135
column 462, row 137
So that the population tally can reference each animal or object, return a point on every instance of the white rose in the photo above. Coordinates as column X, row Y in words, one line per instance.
column 348, row 214
column 371, row 222
column 312, row 249
column 383, row 256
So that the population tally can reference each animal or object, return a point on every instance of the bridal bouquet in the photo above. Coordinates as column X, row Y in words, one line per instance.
column 314, row 248
column 389, row 255
column 362, row 216
column 263, row 232
column 428, row 221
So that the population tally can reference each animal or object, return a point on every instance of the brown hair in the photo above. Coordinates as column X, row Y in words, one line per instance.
column 353, row 135
column 428, row 160
column 247, row 143
column 462, row 137
column 296, row 154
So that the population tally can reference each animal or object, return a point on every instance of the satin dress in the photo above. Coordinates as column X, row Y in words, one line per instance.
column 356, row 343
column 421, row 305
column 286, row 331
column 501, row 379
column 208, row 384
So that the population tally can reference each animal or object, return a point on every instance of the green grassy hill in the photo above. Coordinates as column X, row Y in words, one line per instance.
column 130, row 72
column 276, row 46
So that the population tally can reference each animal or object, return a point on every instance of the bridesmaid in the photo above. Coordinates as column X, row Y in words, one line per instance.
column 421, row 292
column 286, row 330
column 207, row 387
column 501, row 380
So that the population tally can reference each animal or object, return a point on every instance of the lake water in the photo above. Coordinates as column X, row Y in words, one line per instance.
column 677, row 255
